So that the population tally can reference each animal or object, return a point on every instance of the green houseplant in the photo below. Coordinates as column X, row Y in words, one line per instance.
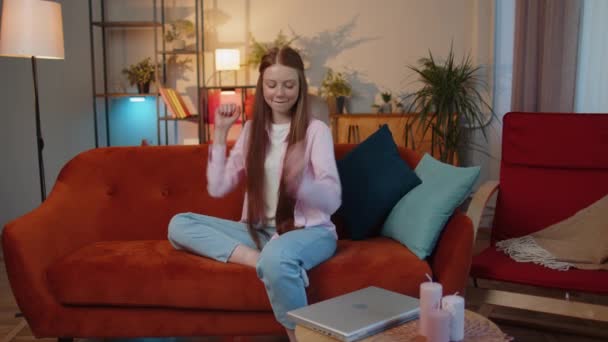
column 141, row 74
column 258, row 49
column 449, row 104
column 335, row 85
column 177, row 31
column 386, row 107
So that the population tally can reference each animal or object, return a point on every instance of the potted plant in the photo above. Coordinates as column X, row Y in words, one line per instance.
column 258, row 50
column 448, row 103
column 177, row 31
column 335, row 85
column 386, row 106
column 399, row 109
column 375, row 108
column 141, row 74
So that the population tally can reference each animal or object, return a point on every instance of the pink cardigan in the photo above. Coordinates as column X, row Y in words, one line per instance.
column 320, row 193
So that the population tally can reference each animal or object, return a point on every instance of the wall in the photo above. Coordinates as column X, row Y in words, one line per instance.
column 65, row 110
column 373, row 41
column 592, row 75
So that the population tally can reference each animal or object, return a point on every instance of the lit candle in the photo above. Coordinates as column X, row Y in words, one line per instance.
column 454, row 305
column 430, row 298
column 438, row 326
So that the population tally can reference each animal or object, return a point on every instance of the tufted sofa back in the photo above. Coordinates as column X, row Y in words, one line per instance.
column 132, row 192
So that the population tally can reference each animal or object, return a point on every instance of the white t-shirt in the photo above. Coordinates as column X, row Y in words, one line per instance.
column 272, row 168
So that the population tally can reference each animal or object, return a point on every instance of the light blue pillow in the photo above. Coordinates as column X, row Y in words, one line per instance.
column 419, row 217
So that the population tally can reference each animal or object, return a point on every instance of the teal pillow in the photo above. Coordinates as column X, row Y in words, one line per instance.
column 419, row 217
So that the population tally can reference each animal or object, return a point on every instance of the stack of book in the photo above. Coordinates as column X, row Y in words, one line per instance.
column 176, row 107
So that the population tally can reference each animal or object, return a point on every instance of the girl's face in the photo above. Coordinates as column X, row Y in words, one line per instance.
column 281, row 88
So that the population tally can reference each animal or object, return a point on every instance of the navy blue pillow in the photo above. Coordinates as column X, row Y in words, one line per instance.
column 374, row 178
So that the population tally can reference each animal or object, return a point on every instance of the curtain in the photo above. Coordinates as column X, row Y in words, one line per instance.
column 545, row 55
column 592, row 73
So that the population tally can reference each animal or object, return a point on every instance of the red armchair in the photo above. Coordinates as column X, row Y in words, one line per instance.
column 552, row 165
column 94, row 261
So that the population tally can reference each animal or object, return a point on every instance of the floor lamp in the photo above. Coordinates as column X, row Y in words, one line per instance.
column 32, row 29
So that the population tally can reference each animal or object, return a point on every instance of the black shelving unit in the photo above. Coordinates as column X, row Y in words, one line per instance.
column 103, row 93
column 160, row 54
column 199, row 69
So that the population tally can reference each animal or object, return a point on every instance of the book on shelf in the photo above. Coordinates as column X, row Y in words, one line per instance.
column 168, row 103
column 176, row 106
column 183, row 105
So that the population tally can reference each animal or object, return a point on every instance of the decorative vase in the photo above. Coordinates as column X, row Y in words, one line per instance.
column 143, row 88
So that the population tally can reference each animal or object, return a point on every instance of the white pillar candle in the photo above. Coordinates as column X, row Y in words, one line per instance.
column 438, row 326
column 455, row 306
column 430, row 298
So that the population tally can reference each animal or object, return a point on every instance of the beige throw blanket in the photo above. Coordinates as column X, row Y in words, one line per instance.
column 580, row 241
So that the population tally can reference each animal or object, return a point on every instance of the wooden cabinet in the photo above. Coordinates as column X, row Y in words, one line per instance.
column 354, row 128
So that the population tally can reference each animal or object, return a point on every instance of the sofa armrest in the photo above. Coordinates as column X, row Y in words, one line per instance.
column 451, row 260
column 480, row 201
column 60, row 225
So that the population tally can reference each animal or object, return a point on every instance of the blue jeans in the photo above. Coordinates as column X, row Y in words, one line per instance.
column 283, row 261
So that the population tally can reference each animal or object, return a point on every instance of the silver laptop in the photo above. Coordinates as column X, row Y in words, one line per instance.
column 358, row 314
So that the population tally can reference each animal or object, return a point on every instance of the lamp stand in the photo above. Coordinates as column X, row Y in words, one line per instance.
column 39, row 140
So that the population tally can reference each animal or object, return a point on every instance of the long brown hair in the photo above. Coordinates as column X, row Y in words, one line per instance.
column 259, row 141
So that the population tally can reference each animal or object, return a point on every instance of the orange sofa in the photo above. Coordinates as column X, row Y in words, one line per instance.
column 94, row 261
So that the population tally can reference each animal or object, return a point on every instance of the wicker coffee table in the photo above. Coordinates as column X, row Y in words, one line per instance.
column 476, row 329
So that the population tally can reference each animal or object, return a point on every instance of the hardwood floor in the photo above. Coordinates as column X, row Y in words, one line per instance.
column 522, row 326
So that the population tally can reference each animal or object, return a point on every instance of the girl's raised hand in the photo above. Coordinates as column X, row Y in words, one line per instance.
column 225, row 115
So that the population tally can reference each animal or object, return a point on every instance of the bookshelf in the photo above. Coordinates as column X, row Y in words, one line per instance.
column 126, row 24
column 110, row 96
column 193, row 118
column 178, row 52
column 191, row 56
column 124, row 95
column 123, row 33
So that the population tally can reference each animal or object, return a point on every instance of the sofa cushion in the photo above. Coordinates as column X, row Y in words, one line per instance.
column 374, row 178
column 418, row 218
column 495, row 265
column 154, row 274
column 377, row 261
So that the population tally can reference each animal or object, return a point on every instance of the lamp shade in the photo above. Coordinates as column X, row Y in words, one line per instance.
column 31, row 28
column 227, row 59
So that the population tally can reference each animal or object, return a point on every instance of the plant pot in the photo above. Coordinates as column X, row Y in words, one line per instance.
column 387, row 108
column 340, row 102
column 332, row 104
column 143, row 88
column 179, row 44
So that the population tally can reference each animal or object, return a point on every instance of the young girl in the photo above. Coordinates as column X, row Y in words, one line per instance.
column 288, row 162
